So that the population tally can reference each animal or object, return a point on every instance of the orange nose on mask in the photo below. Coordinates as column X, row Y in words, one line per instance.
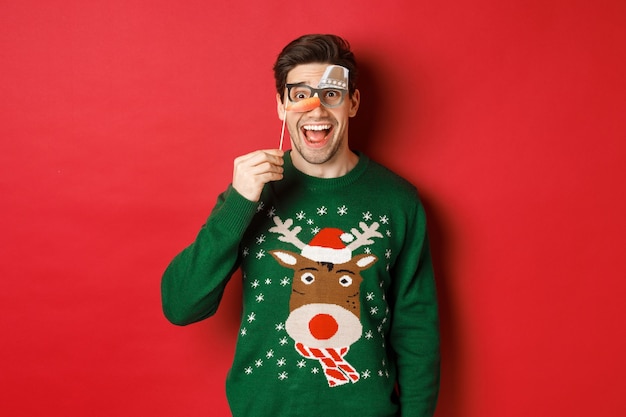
column 305, row 105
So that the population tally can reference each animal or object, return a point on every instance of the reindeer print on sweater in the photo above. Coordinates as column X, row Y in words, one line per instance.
column 329, row 308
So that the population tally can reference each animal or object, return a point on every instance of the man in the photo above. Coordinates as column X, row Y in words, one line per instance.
column 339, row 302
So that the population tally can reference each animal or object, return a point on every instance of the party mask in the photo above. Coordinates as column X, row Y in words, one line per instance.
column 330, row 92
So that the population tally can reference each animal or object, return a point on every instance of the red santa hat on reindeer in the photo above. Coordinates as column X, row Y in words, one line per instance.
column 329, row 245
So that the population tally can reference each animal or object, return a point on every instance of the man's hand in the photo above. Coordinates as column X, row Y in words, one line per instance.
column 254, row 170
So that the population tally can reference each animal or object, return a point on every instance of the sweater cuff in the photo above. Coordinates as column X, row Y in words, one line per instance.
column 235, row 213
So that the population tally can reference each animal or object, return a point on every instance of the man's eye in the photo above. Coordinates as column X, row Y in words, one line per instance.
column 332, row 96
column 297, row 95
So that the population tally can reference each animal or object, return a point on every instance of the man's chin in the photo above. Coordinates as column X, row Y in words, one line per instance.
column 316, row 153
column 314, row 156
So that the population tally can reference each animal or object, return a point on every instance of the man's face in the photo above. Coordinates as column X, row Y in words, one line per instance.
column 319, row 136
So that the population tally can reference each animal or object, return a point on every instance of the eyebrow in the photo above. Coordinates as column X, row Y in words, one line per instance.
column 303, row 83
column 289, row 85
column 297, row 83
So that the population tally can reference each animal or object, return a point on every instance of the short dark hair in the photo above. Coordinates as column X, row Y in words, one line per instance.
column 315, row 48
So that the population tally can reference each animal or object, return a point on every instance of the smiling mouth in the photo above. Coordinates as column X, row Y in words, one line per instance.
column 316, row 135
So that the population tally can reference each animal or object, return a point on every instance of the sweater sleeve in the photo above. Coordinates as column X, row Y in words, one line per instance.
column 194, row 281
column 415, row 328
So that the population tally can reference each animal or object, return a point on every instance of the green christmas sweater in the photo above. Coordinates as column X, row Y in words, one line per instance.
column 339, row 302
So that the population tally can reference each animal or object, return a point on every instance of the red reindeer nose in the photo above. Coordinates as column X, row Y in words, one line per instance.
column 323, row 326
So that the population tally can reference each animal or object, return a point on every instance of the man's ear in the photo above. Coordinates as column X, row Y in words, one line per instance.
column 280, row 107
column 355, row 100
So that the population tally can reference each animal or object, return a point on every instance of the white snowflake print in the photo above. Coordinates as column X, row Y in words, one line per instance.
column 315, row 230
column 285, row 281
column 369, row 335
column 248, row 370
column 245, row 252
column 255, row 283
column 388, row 253
column 283, row 375
column 370, row 296
column 315, row 370
column 269, row 354
column 367, row 251
column 280, row 326
column 268, row 281
column 384, row 219
column 388, row 233
column 301, row 364
column 283, row 341
column 251, row 317
column 260, row 254
column 271, row 212
column 310, row 222
column 281, row 362
column 380, row 373
column 322, row 211
column 366, row 374
column 260, row 206
column 367, row 216
column 301, row 215
column 260, row 298
column 374, row 310
column 258, row 363
column 243, row 331
column 342, row 211
column 260, row 239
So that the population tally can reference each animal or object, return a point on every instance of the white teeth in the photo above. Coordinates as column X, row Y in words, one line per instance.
column 316, row 127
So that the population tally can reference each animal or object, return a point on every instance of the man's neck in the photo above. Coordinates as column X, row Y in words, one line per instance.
column 337, row 167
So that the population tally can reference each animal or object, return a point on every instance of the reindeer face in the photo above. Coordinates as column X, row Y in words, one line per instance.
column 324, row 305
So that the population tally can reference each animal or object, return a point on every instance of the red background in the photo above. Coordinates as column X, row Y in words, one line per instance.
column 119, row 121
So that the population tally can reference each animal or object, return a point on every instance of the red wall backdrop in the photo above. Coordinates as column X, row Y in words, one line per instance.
column 119, row 121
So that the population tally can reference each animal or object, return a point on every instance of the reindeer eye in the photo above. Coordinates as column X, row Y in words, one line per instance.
column 345, row 281
column 307, row 278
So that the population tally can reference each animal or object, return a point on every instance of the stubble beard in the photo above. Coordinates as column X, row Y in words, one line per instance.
column 312, row 156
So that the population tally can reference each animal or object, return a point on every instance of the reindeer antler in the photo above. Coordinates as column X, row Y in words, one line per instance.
column 363, row 239
column 288, row 236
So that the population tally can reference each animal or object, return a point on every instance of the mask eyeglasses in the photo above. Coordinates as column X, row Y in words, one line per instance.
column 329, row 97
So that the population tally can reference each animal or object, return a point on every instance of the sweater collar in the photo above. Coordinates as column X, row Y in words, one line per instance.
column 311, row 182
